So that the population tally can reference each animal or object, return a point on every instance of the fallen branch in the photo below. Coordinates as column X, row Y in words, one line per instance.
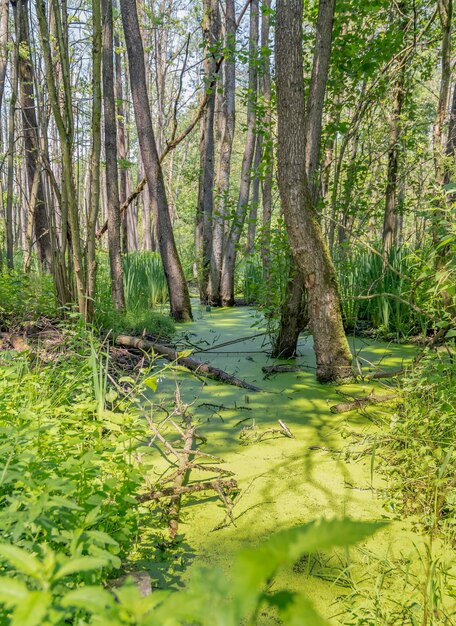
column 384, row 374
column 191, row 364
column 228, row 486
column 359, row 403
column 281, row 369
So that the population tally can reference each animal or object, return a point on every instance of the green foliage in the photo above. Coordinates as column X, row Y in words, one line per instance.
column 25, row 297
column 67, row 471
column 42, row 589
column 421, row 463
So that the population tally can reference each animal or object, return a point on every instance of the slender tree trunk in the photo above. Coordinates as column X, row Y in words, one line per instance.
column 9, row 228
column 110, row 141
column 253, row 215
column 306, row 237
column 395, row 133
column 95, row 156
column 222, row 184
column 268, row 156
column 62, row 108
column 294, row 313
column 4, row 6
column 234, row 235
column 445, row 8
column 177, row 286
column 203, row 230
column 31, row 136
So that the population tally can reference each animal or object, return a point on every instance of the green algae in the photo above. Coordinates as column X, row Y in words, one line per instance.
column 323, row 471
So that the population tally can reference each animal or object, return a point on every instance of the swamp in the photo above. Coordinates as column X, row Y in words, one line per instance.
column 227, row 313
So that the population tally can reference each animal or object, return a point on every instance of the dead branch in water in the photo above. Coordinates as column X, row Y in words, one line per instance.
column 360, row 403
column 191, row 364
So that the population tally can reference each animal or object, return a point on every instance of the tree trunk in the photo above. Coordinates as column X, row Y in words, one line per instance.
column 10, row 162
column 62, row 107
column 222, row 183
column 268, row 156
column 4, row 6
column 203, row 230
column 445, row 8
column 395, row 133
column 234, row 235
column 293, row 313
column 306, row 237
column 293, row 317
column 30, row 135
column 177, row 286
column 253, row 215
column 110, row 141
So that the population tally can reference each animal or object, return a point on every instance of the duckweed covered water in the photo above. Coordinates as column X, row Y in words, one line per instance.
column 326, row 470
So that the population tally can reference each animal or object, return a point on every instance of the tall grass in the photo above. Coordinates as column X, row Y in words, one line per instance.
column 145, row 294
column 364, row 279
column 144, row 280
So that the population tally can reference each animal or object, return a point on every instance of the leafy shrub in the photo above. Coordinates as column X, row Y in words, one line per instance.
column 40, row 592
column 26, row 296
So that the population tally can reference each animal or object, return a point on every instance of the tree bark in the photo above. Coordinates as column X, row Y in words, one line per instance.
column 234, row 235
column 293, row 314
column 204, row 211
column 268, row 155
column 395, row 133
column 10, row 161
column 177, row 286
column 306, row 237
column 222, row 183
column 110, row 142
column 4, row 10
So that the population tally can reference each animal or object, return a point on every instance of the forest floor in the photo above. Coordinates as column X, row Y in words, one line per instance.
column 331, row 468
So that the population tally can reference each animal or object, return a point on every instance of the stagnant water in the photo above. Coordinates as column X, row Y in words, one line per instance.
column 324, row 471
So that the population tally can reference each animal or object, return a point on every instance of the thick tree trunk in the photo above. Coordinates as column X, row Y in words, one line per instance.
column 110, row 142
column 293, row 318
column 222, row 183
column 234, row 235
column 293, row 313
column 204, row 211
column 306, row 237
column 177, row 286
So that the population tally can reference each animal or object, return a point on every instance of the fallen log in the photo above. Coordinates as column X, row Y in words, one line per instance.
column 191, row 364
column 359, row 403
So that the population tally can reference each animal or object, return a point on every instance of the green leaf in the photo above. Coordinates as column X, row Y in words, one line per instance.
column 12, row 591
column 81, row 564
column 32, row 610
column 255, row 566
column 91, row 598
column 295, row 609
column 151, row 382
column 21, row 560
